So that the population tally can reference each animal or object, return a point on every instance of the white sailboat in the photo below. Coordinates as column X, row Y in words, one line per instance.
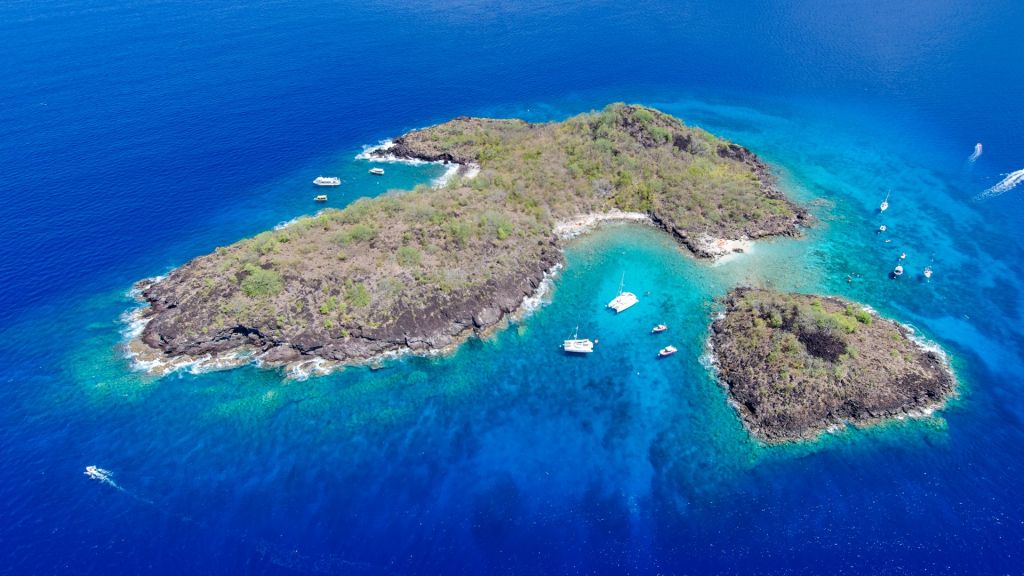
column 884, row 205
column 578, row 345
column 624, row 299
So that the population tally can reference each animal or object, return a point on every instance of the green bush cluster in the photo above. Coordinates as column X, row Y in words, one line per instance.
column 261, row 283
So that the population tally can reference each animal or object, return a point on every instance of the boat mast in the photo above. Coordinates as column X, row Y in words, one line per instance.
column 622, row 282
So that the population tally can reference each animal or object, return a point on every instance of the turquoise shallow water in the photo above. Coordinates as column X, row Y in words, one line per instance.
column 510, row 445
column 184, row 129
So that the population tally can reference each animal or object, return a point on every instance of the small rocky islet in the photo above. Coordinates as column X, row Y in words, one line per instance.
column 421, row 270
column 797, row 365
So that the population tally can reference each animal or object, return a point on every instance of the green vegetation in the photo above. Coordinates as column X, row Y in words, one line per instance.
column 409, row 256
column 474, row 243
column 797, row 364
column 261, row 283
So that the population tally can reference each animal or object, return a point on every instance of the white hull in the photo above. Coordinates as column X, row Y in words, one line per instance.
column 623, row 301
column 581, row 346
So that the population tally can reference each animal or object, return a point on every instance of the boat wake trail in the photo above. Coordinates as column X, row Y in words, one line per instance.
column 107, row 477
column 977, row 152
column 1005, row 185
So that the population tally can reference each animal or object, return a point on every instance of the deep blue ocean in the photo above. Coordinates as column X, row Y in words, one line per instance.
column 136, row 135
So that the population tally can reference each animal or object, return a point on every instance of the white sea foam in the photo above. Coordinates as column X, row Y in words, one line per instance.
column 135, row 291
column 540, row 296
column 1005, row 185
column 451, row 170
column 367, row 153
column 313, row 367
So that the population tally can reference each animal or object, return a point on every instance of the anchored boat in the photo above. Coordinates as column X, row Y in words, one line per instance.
column 577, row 345
column 327, row 181
column 321, row 198
column 667, row 351
column 659, row 328
column 377, row 171
column 884, row 205
column 624, row 300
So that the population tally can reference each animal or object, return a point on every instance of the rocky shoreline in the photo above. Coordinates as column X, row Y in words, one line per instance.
column 420, row 272
column 796, row 366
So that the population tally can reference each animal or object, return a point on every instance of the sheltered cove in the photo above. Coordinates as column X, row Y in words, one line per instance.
column 420, row 271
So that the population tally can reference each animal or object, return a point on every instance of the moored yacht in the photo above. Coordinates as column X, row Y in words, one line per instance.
column 667, row 351
column 377, row 171
column 624, row 300
column 884, row 205
column 327, row 181
column 578, row 345
column 321, row 198
column 927, row 272
column 659, row 328
column 897, row 271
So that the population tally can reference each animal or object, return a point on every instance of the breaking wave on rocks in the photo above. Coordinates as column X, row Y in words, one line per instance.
column 452, row 170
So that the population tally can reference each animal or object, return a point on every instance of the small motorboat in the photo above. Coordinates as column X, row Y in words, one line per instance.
column 659, row 328
column 903, row 256
column 897, row 271
column 667, row 351
column 321, row 198
column 377, row 171
column 884, row 205
column 927, row 272
column 327, row 181
column 882, row 228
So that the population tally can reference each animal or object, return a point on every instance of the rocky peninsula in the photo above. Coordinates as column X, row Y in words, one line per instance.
column 796, row 365
column 421, row 270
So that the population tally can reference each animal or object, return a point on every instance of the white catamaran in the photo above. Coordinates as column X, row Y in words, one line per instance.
column 624, row 300
column 578, row 345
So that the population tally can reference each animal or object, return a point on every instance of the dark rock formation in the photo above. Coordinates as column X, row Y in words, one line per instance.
column 796, row 365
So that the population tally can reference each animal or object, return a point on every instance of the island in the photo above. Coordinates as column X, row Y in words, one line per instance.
column 421, row 270
column 797, row 365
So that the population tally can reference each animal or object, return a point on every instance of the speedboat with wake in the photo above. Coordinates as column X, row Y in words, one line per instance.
column 101, row 475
